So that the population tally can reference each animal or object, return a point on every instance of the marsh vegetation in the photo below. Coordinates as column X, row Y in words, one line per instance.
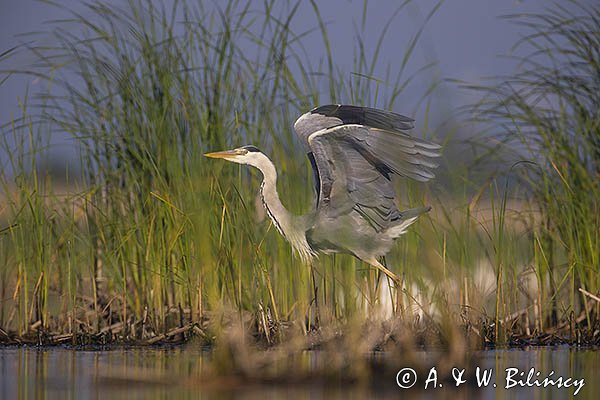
column 152, row 243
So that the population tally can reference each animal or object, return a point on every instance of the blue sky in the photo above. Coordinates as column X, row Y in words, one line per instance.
column 464, row 37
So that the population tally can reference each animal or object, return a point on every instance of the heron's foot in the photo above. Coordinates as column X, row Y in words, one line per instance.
column 395, row 278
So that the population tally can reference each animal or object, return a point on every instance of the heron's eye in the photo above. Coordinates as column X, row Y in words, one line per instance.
column 241, row 151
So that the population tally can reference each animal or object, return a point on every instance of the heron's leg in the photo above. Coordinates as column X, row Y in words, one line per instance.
column 395, row 278
column 315, row 293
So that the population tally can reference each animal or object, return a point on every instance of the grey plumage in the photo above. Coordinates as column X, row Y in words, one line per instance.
column 354, row 151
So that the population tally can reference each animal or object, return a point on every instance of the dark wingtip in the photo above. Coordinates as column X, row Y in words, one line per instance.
column 326, row 109
column 373, row 117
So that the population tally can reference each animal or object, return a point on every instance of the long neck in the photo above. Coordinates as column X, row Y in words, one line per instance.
column 292, row 227
column 281, row 217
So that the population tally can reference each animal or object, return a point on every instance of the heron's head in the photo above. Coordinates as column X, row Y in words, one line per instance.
column 242, row 155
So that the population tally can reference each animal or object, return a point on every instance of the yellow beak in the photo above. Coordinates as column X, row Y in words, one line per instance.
column 222, row 154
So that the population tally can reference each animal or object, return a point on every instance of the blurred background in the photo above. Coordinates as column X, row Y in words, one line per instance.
column 464, row 40
column 113, row 227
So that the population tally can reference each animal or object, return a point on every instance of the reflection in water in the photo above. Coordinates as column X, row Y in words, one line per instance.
column 157, row 373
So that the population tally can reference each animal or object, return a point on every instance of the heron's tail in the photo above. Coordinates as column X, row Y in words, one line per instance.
column 408, row 218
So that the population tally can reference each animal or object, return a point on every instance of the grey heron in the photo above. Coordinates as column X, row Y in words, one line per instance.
column 353, row 152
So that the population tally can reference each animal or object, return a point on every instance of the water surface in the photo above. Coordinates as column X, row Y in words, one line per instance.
column 173, row 373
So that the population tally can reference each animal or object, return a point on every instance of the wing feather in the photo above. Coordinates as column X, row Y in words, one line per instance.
column 354, row 150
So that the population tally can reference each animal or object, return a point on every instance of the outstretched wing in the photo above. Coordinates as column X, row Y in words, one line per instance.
column 354, row 151
column 332, row 115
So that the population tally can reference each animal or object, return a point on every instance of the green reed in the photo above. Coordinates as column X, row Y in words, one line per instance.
column 155, row 237
column 549, row 110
